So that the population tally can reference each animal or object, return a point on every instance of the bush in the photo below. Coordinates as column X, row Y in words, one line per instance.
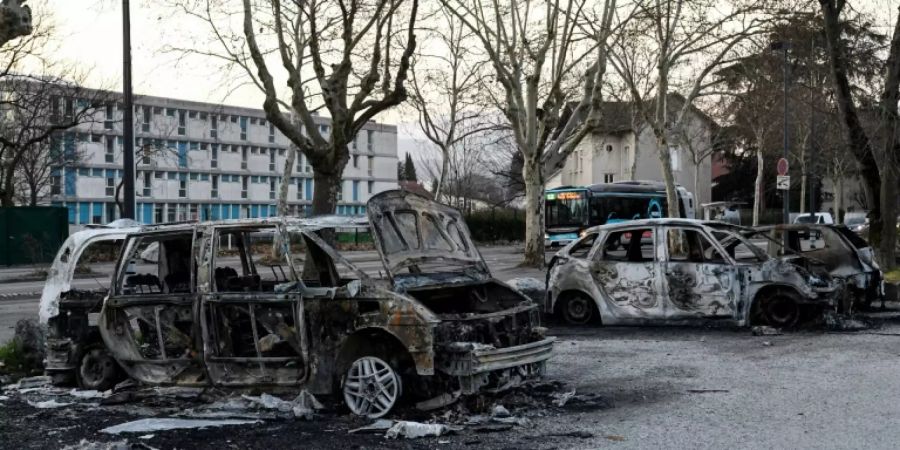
column 492, row 225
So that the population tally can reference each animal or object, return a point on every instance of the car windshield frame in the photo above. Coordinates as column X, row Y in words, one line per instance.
column 732, row 238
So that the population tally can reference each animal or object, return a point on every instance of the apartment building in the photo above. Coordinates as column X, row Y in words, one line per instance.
column 205, row 161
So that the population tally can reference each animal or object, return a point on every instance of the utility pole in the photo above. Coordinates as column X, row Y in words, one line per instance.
column 128, row 117
column 786, row 198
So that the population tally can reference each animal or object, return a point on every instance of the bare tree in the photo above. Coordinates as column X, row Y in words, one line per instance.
column 333, row 55
column 535, row 48
column 446, row 81
column 684, row 39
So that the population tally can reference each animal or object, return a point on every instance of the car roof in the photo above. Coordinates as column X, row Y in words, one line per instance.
column 651, row 222
column 308, row 223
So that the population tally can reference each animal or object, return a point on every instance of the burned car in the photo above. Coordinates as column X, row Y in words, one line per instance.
column 678, row 271
column 267, row 302
column 834, row 248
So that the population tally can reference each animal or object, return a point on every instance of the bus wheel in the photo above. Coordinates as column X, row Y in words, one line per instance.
column 577, row 309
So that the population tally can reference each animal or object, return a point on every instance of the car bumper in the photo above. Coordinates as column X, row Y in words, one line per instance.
column 479, row 367
column 61, row 356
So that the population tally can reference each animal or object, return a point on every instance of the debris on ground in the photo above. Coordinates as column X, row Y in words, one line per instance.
column 378, row 426
column 707, row 391
column 115, row 445
column 48, row 404
column 561, row 399
column 171, row 423
column 445, row 399
column 765, row 330
column 842, row 322
column 304, row 406
column 414, row 430
column 767, row 344
column 29, row 384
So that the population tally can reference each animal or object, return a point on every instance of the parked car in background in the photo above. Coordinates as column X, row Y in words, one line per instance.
column 822, row 218
column 857, row 222
column 267, row 302
column 678, row 271
column 834, row 248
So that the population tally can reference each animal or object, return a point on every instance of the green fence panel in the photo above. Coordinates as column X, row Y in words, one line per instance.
column 31, row 235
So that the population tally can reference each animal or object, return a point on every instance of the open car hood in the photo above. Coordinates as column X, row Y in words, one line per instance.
column 423, row 242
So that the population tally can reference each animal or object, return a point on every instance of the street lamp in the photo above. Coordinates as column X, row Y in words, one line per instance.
column 128, row 117
column 784, row 46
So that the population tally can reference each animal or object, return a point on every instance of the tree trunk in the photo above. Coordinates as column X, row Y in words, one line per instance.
column 443, row 177
column 532, row 175
column 286, row 180
column 325, row 189
column 665, row 160
column 839, row 199
column 697, row 185
column 758, row 187
column 888, row 242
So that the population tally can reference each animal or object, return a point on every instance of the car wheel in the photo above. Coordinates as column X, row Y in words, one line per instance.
column 98, row 370
column 577, row 310
column 371, row 387
column 781, row 311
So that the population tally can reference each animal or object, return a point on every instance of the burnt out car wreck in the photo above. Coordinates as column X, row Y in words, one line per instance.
column 267, row 302
column 680, row 271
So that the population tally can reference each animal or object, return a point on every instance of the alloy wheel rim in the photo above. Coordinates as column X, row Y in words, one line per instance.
column 371, row 388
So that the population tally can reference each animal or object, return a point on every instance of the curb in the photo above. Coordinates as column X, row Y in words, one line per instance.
column 21, row 294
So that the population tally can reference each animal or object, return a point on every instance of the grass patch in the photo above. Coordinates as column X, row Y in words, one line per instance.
column 892, row 276
column 12, row 358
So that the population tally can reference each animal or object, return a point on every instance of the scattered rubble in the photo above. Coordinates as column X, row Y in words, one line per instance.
column 413, row 430
column 765, row 330
column 171, row 423
column 115, row 445
column 560, row 400
column 49, row 404
column 842, row 322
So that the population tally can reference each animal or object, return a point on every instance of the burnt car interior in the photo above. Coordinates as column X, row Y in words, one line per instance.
column 633, row 245
column 246, row 262
column 696, row 247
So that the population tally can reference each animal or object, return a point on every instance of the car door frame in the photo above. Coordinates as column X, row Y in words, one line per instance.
column 616, row 307
column 722, row 273
column 226, row 370
column 124, row 347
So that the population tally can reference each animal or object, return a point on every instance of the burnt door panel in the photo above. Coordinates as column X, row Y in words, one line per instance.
column 697, row 281
column 625, row 271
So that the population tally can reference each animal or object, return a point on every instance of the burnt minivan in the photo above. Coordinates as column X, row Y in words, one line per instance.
column 268, row 302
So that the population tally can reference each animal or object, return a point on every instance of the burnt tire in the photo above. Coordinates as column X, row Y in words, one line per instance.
column 780, row 311
column 577, row 309
column 371, row 387
column 97, row 370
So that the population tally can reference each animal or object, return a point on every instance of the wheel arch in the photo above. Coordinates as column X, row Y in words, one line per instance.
column 768, row 291
column 569, row 293
column 374, row 341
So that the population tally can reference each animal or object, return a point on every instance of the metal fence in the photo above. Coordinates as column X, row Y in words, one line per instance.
column 31, row 234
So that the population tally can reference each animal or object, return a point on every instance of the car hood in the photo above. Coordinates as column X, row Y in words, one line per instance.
column 421, row 241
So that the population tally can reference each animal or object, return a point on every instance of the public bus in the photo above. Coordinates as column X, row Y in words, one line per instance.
column 572, row 209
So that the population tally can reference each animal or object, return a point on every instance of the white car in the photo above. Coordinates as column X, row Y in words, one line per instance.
column 819, row 218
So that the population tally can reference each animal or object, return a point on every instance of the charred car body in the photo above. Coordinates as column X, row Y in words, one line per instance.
column 678, row 271
column 268, row 302
column 833, row 248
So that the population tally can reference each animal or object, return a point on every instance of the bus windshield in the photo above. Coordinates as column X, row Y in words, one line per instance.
column 567, row 208
column 619, row 208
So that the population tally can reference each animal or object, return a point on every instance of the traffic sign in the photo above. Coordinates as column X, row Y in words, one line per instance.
column 783, row 182
column 782, row 167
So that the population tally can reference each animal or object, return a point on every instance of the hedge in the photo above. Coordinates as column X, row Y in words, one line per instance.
column 492, row 225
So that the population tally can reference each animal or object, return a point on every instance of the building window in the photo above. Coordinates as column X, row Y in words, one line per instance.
column 355, row 190
column 370, row 141
column 609, row 178
column 182, row 185
column 299, row 188
column 271, row 160
column 370, row 162
column 192, row 114
column 356, row 161
column 182, row 122
column 214, row 156
column 213, row 126
column 272, row 188
column 245, row 180
column 147, row 184
column 371, row 186
column 110, row 117
column 145, row 123
column 244, row 157
column 271, row 133
column 110, row 149
column 56, row 184
column 354, row 142
column 170, row 112
column 170, row 212
column 323, row 129
column 340, row 191
column 243, row 128
column 158, row 212
column 609, row 148
column 110, row 183
column 215, row 187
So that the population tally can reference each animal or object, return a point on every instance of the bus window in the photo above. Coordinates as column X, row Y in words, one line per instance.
column 612, row 209
column 571, row 211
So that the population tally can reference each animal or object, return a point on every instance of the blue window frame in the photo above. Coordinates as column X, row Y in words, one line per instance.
column 214, row 212
column 84, row 172
column 97, row 172
column 148, row 213
column 194, row 176
column 355, row 190
column 71, row 177
column 309, row 189
column 204, row 177
column 254, row 211
column 84, row 213
column 195, row 146
column 73, row 212
column 182, row 154
column 98, row 211
column 172, row 175
column 235, row 211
